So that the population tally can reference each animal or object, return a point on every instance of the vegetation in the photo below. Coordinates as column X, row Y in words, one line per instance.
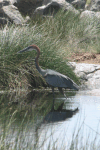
column 58, row 37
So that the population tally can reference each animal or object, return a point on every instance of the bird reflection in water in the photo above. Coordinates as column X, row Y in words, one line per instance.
column 59, row 115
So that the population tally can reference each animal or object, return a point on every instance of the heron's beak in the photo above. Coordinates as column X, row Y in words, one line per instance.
column 29, row 48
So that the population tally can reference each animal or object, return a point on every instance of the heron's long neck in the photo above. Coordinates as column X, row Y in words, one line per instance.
column 36, row 59
column 37, row 65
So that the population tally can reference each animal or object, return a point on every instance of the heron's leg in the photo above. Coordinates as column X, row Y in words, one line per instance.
column 60, row 107
column 53, row 98
column 65, row 96
column 61, row 91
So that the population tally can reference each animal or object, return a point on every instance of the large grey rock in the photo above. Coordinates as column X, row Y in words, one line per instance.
column 45, row 2
column 82, row 67
column 54, row 6
column 79, row 4
column 90, row 15
column 26, row 7
column 4, row 3
column 12, row 14
column 4, row 21
column 89, row 74
column 14, row 1
column 94, row 82
column 94, row 5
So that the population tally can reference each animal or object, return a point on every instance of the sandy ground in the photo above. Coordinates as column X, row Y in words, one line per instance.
column 90, row 58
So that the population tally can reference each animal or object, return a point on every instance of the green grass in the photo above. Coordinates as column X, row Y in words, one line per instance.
column 58, row 37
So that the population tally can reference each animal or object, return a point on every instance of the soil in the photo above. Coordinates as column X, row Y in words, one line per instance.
column 90, row 58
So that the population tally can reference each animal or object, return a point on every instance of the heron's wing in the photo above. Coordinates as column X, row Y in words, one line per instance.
column 57, row 79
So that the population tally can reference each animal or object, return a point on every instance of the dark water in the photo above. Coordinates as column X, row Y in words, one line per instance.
column 81, row 131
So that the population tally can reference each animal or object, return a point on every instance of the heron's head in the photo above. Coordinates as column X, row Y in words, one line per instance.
column 29, row 48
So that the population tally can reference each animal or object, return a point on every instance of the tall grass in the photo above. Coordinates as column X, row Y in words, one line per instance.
column 58, row 37
column 14, row 68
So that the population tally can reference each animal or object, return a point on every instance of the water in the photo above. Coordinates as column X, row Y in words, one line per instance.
column 83, row 128
column 81, row 131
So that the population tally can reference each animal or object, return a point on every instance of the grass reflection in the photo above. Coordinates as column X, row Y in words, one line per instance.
column 21, row 115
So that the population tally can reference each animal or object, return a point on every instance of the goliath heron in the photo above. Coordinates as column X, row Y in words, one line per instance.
column 53, row 78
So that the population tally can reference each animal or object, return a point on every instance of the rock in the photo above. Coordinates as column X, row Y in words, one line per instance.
column 82, row 75
column 82, row 67
column 11, row 13
column 45, row 2
column 90, row 15
column 3, row 22
column 88, row 73
column 27, row 19
column 27, row 7
column 94, row 5
column 93, row 83
column 13, row 1
column 4, row 3
column 40, row 10
column 54, row 6
column 97, row 73
column 79, row 4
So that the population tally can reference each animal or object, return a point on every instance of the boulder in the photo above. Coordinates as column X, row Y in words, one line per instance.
column 90, row 15
column 4, row 3
column 45, row 2
column 4, row 21
column 26, row 7
column 11, row 13
column 14, row 1
column 79, row 4
column 94, row 82
column 94, row 5
column 88, row 73
column 54, row 6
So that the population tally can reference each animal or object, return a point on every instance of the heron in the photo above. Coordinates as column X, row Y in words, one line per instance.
column 53, row 78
